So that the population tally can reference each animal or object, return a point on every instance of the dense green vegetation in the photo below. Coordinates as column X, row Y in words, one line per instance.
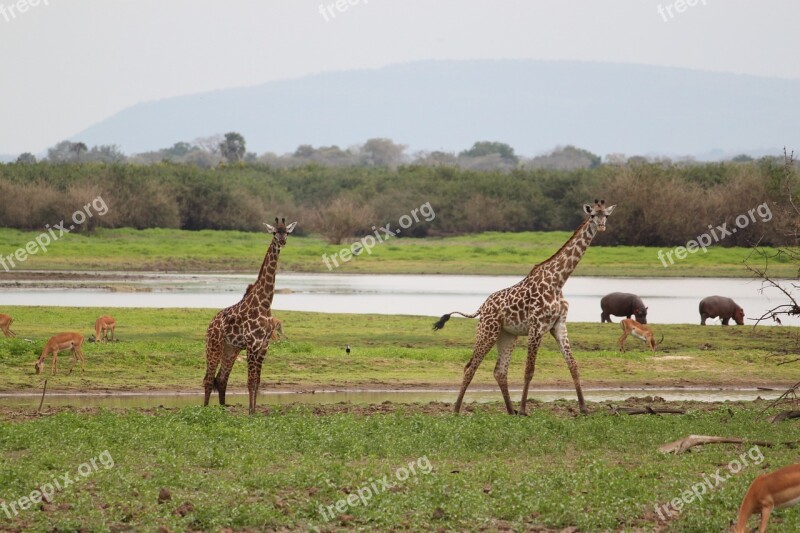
column 164, row 349
column 487, row 253
column 660, row 204
column 210, row 468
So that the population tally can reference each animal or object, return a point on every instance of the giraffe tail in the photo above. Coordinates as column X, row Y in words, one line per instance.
column 214, row 386
column 442, row 321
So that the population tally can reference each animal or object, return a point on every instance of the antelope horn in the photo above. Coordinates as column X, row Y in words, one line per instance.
column 662, row 340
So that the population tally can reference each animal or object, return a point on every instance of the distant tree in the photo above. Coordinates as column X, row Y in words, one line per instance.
column 382, row 153
column 304, row 150
column 344, row 217
column 178, row 150
column 78, row 148
column 566, row 158
column 26, row 159
column 483, row 148
column 742, row 158
column 436, row 158
column 60, row 153
column 210, row 145
column 233, row 147
column 107, row 153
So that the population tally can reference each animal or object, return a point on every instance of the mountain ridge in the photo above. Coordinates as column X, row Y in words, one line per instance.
column 447, row 105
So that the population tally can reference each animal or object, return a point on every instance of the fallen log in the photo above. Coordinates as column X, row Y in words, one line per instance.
column 647, row 410
column 783, row 415
column 682, row 445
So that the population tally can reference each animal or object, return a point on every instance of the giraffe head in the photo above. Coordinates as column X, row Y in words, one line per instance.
column 280, row 230
column 598, row 214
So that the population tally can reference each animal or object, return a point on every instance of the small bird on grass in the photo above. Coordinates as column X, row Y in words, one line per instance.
column 347, row 349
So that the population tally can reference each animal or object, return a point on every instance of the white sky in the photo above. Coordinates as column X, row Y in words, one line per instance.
column 68, row 64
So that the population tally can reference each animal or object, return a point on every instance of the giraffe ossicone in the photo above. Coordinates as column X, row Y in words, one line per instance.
column 531, row 308
column 246, row 325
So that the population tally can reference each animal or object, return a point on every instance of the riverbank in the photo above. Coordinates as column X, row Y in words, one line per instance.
column 240, row 252
column 163, row 349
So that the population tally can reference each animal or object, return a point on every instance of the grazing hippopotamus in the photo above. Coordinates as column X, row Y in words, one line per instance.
column 623, row 304
column 720, row 306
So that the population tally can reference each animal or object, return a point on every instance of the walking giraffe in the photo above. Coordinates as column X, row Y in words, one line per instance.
column 246, row 325
column 530, row 308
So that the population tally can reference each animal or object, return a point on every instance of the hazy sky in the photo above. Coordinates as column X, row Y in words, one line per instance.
column 67, row 64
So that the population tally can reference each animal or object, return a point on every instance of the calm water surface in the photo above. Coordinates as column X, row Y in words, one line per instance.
column 670, row 300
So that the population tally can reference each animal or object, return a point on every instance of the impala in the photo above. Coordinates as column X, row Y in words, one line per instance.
column 777, row 489
column 102, row 326
column 640, row 331
column 62, row 341
column 5, row 325
column 277, row 329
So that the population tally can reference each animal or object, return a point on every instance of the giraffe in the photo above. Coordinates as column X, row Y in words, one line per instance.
column 530, row 308
column 246, row 325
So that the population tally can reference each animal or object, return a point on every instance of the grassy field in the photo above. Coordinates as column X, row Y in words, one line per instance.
column 163, row 349
column 287, row 468
column 487, row 253
column 211, row 469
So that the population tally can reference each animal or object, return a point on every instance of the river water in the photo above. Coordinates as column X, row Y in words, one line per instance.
column 670, row 300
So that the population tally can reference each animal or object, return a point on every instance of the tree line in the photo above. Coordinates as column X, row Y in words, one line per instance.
column 659, row 203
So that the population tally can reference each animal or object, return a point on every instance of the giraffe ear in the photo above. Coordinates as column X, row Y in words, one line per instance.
column 610, row 209
column 290, row 227
column 587, row 209
column 271, row 229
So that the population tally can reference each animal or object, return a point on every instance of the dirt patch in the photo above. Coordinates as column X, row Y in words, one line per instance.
column 563, row 408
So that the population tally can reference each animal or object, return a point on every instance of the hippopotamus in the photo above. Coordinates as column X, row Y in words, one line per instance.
column 720, row 306
column 623, row 304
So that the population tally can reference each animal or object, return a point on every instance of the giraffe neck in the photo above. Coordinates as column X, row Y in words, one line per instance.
column 264, row 286
column 566, row 259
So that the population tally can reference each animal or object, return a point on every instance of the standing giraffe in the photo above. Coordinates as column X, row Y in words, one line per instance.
column 246, row 325
column 532, row 307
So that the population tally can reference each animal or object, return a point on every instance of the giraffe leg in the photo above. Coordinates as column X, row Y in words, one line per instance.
column 559, row 332
column 214, row 350
column 229, row 354
column 486, row 338
column 254, row 362
column 534, row 340
column 505, row 347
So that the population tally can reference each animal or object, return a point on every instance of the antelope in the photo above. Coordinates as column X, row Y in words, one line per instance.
column 5, row 325
column 102, row 326
column 640, row 331
column 277, row 329
column 777, row 489
column 62, row 341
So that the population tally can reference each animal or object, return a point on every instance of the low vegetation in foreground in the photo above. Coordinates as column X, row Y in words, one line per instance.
column 491, row 253
column 417, row 468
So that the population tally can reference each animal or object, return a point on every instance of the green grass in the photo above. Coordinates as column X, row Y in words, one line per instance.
column 486, row 253
column 486, row 470
column 163, row 349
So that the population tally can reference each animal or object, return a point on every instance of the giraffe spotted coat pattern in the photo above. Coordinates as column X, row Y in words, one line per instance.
column 531, row 308
column 246, row 325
